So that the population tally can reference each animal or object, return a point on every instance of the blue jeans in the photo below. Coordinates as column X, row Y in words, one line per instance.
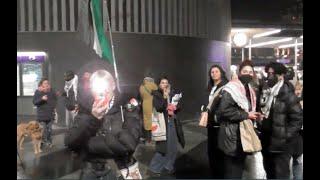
column 297, row 167
column 47, row 130
column 159, row 161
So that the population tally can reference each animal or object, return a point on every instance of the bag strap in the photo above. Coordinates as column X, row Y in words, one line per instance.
column 214, row 96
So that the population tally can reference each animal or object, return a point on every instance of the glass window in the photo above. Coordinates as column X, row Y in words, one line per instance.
column 31, row 75
column 18, row 81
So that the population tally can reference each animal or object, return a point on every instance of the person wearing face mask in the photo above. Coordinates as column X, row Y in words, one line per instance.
column 282, row 122
column 237, row 104
column 45, row 99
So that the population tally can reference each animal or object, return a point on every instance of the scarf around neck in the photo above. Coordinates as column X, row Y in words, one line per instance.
column 72, row 83
column 238, row 93
column 270, row 96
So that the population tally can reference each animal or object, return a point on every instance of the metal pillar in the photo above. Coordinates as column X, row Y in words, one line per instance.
column 250, row 49
column 296, row 57
column 242, row 53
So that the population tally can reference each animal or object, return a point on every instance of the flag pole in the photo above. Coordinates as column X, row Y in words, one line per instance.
column 112, row 50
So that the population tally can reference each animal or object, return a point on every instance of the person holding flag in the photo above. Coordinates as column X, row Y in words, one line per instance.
column 105, row 128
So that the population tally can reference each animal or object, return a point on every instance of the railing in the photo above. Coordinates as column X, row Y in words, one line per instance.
column 166, row 17
column 47, row 15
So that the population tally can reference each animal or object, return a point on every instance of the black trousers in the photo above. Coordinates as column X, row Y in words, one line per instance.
column 277, row 165
column 234, row 166
column 215, row 155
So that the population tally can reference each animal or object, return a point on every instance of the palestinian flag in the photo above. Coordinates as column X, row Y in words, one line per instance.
column 101, row 44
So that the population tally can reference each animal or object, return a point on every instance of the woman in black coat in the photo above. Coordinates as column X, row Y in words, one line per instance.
column 166, row 151
column 237, row 104
column 217, row 79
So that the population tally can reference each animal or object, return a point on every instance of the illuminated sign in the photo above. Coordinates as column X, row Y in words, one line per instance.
column 23, row 57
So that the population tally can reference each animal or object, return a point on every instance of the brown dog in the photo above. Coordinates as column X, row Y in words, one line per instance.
column 33, row 130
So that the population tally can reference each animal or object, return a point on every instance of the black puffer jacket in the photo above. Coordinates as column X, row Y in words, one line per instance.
column 230, row 115
column 108, row 138
column 160, row 104
column 45, row 109
column 284, row 122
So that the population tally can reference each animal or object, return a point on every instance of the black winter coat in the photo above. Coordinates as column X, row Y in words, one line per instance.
column 160, row 104
column 109, row 138
column 45, row 109
column 230, row 115
column 284, row 122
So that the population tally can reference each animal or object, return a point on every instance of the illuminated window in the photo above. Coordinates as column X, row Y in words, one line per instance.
column 29, row 72
column 31, row 75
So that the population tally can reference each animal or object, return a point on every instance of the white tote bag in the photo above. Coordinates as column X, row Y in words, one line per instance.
column 158, row 127
column 132, row 172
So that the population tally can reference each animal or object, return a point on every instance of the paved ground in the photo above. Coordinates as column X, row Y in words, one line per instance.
column 59, row 163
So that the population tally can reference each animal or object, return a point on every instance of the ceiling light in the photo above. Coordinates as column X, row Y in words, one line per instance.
column 269, row 42
column 240, row 39
column 266, row 33
column 290, row 45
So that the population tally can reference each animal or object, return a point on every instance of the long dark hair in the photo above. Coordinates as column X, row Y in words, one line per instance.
column 162, row 78
column 223, row 76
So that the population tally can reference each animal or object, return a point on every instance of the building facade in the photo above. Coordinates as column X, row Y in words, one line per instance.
column 179, row 38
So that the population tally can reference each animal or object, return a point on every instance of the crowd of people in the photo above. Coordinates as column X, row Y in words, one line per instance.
column 248, row 117
column 271, row 107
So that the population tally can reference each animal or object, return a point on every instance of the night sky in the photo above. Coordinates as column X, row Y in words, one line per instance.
column 265, row 10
